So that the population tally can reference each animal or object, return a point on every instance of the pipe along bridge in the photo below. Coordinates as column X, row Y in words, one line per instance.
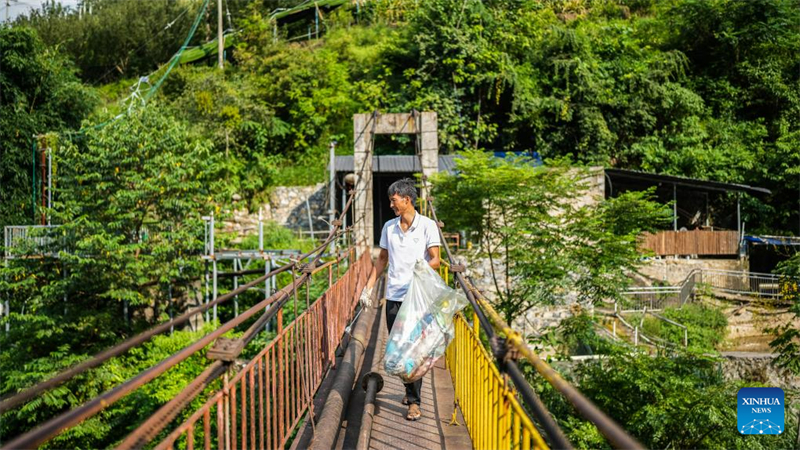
column 319, row 382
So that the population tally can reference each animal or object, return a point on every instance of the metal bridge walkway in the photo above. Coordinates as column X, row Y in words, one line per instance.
column 390, row 430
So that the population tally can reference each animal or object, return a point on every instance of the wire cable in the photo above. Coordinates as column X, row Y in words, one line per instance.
column 152, row 38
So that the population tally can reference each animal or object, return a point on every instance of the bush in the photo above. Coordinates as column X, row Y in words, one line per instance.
column 677, row 401
column 706, row 326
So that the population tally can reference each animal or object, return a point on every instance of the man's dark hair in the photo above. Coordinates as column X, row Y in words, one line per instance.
column 404, row 188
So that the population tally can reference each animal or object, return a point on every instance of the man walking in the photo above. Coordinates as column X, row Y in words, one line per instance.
column 405, row 239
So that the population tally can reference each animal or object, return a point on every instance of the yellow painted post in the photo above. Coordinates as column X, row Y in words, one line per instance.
column 466, row 373
column 470, row 374
column 493, row 422
column 483, row 387
column 485, row 419
column 477, row 383
column 507, row 424
column 497, row 438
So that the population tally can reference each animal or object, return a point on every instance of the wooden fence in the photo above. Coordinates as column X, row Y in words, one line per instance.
column 696, row 242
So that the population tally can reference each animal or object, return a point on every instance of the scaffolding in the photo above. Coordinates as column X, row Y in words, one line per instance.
column 20, row 241
column 241, row 260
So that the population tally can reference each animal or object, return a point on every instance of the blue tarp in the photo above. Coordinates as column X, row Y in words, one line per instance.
column 773, row 240
column 534, row 156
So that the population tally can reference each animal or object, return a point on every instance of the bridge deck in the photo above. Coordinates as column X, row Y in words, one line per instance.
column 390, row 429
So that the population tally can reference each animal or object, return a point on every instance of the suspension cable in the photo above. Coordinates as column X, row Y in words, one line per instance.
column 14, row 400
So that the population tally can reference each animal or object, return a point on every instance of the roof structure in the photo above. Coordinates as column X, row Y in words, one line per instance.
column 395, row 163
column 685, row 181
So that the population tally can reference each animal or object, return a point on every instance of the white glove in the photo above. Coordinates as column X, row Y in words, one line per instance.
column 366, row 297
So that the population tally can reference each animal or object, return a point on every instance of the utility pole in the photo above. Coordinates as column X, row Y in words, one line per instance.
column 220, row 40
column 8, row 6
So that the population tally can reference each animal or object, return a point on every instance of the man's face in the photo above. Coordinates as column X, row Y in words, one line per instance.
column 399, row 204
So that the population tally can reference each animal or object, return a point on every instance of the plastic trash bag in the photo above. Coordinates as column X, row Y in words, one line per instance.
column 423, row 326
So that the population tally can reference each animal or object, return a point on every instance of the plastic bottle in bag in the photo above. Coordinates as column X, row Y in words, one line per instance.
column 424, row 325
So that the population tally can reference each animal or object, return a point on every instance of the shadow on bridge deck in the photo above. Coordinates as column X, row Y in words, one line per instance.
column 390, row 429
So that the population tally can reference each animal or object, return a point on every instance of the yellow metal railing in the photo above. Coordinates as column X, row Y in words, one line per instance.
column 444, row 272
column 488, row 402
column 615, row 435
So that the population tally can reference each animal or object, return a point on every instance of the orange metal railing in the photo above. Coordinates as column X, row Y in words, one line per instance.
column 260, row 406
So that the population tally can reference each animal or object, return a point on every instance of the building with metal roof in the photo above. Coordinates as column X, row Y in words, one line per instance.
column 395, row 164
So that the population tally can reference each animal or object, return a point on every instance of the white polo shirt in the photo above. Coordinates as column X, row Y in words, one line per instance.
column 405, row 249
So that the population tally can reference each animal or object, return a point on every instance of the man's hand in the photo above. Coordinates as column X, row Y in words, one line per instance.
column 366, row 297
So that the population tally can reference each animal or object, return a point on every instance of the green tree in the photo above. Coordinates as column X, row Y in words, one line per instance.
column 129, row 203
column 39, row 93
column 546, row 228
column 706, row 325
column 312, row 92
column 112, row 39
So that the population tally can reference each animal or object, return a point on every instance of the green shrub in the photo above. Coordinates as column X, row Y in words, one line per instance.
column 706, row 326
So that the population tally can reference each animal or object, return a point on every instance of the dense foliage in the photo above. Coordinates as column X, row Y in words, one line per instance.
column 547, row 234
column 129, row 199
column 787, row 336
column 688, row 87
column 39, row 93
column 664, row 401
column 666, row 397
column 105, row 44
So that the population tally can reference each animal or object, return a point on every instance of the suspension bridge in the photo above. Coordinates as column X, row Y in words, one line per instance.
column 319, row 382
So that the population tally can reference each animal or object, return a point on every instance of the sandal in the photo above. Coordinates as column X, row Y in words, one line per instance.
column 414, row 412
column 405, row 400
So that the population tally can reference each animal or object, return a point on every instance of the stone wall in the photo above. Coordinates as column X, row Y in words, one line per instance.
column 286, row 206
column 674, row 270
column 539, row 319
column 595, row 185
column 480, row 271
column 757, row 367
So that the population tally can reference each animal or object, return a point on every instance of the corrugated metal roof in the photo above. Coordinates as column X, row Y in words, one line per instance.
column 395, row 163
column 695, row 183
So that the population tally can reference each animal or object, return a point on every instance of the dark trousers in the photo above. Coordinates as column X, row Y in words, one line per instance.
column 414, row 389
